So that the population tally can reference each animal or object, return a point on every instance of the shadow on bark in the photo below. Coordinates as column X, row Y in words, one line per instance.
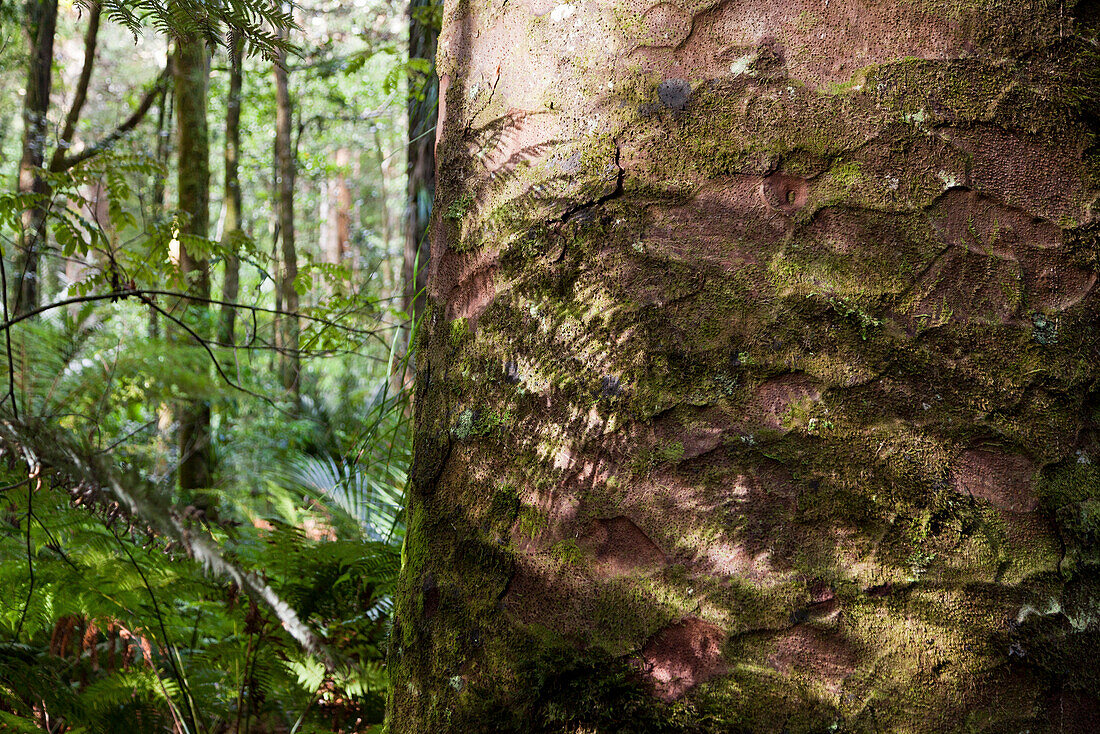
column 773, row 449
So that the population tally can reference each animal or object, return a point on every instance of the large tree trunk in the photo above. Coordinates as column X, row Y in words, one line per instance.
column 422, row 110
column 289, row 363
column 759, row 383
column 40, row 24
column 191, row 69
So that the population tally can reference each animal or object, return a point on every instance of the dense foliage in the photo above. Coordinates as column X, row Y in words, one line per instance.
column 259, row 603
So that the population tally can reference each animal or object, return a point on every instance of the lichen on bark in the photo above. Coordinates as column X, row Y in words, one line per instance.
column 758, row 386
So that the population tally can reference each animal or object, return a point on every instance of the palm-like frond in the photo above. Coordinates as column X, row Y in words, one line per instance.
column 373, row 500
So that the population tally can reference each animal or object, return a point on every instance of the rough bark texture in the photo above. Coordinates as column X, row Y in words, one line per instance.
column 758, row 386
column 40, row 25
column 421, row 161
column 289, row 363
column 191, row 70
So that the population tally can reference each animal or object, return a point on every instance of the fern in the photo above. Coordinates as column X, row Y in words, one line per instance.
column 109, row 633
column 218, row 22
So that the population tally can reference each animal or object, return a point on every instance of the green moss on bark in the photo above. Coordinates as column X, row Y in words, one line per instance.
column 809, row 371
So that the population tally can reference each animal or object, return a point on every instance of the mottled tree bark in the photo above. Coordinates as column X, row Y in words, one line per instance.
column 289, row 363
column 231, row 227
column 40, row 24
column 759, row 383
column 422, row 111
column 191, row 71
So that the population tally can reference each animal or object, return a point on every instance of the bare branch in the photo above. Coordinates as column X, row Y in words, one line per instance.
column 210, row 352
column 67, row 162
column 139, row 292
column 81, row 94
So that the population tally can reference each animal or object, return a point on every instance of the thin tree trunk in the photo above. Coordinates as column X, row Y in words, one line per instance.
column 342, row 219
column 191, row 70
column 289, row 363
column 48, row 280
column 276, row 259
column 421, row 158
column 40, row 24
column 758, row 388
column 159, row 204
column 326, row 223
column 41, row 19
column 232, row 224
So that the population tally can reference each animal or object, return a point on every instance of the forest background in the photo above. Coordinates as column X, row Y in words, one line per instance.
column 210, row 242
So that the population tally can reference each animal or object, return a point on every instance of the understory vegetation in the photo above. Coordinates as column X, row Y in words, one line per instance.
column 204, row 364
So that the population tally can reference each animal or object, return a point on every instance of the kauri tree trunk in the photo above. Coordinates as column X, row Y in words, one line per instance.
column 759, row 388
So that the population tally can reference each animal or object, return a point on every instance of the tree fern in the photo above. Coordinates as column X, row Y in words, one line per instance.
column 254, row 21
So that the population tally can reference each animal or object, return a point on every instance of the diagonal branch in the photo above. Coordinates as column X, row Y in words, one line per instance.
column 81, row 95
column 50, row 447
column 68, row 161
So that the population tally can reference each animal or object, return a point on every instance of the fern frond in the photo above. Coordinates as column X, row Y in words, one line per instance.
column 212, row 20
column 48, row 445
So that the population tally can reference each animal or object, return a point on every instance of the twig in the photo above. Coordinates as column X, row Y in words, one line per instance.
column 30, row 560
column 163, row 629
column 7, row 335
column 17, row 485
column 210, row 352
column 139, row 429
column 54, row 545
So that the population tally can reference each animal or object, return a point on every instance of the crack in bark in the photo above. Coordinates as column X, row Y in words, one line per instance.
column 439, row 446
column 614, row 194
